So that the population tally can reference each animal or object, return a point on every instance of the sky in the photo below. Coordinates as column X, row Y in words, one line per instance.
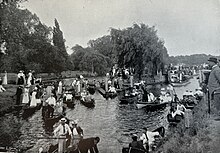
column 187, row 26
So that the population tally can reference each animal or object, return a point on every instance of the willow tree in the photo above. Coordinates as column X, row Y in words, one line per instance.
column 139, row 47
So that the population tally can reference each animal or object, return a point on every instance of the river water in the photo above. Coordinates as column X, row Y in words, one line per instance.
column 112, row 122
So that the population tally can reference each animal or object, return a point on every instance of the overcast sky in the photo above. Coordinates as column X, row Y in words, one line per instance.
column 186, row 26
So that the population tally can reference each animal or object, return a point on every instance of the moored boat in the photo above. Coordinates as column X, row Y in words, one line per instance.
column 68, row 99
column 107, row 95
column 179, row 84
column 151, row 105
column 88, row 103
column 128, row 99
column 189, row 100
column 30, row 110
column 174, row 119
column 91, row 88
column 161, row 132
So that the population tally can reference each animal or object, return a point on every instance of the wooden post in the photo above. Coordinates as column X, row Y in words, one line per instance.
column 131, row 81
column 106, row 83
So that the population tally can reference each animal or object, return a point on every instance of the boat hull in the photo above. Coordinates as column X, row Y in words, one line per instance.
column 151, row 106
column 89, row 104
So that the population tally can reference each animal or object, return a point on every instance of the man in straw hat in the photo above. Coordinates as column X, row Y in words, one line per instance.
column 214, row 84
column 62, row 132
column 77, row 132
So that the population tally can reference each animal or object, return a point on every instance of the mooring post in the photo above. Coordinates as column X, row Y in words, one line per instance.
column 131, row 80
column 106, row 82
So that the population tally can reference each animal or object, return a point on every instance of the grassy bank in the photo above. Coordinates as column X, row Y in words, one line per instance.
column 201, row 137
column 7, row 100
column 9, row 125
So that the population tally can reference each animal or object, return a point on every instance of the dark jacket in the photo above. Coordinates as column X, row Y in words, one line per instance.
column 88, row 144
column 137, row 145
column 214, row 79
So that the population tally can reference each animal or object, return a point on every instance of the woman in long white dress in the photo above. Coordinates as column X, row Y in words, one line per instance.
column 33, row 98
column 25, row 99
column 29, row 78
column 5, row 78
column 60, row 86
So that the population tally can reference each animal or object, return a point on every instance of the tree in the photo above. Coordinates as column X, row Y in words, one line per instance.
column 59, row 42
column 139, row 47
column 104, row 46
column 87, row 59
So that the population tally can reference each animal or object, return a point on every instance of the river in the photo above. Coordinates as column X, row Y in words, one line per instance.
column 112, row 122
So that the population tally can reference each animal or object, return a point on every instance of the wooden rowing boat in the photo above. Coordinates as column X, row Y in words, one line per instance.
column 160, row 130
column 128, row 99
column 90, row 103
column 174, row 120
column 151, row 105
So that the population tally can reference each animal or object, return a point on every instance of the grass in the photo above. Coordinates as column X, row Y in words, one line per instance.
column 6, row 99
column 9, row 125
column 193, row 140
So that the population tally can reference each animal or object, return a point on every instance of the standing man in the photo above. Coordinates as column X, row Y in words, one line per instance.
column 89, row 144
column 214, row 84
column 51, row 104
column 62, row 131
column 77, row 132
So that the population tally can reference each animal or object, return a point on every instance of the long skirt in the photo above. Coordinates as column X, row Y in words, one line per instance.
column 33, row 101
column 25, row 99
column 5, row 80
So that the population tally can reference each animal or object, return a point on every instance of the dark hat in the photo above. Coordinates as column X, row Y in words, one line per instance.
column 145, row 128
column 213, row 59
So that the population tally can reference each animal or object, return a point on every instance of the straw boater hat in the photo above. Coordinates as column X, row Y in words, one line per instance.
column 213, row 59
column 134, row 136
column 63, row 119
column 74, row 122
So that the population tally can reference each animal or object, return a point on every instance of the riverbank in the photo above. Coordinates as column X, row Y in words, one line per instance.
column 7, row 100
column 203, row 136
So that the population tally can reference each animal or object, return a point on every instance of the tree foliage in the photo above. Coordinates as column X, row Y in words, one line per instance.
column 139, row 47
column 28, row 42
column 87, row 59
column 195, row 59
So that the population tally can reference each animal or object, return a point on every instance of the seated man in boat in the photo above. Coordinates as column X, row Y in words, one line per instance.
column 77, row 132
column 134, row 92
column 136, row 144
column 112, row 89
column 89, row 144
column 181, row 107
column 148, row 138
column 62, row 132
column 83, row 95
column 177, row 112
column 68, row 96
column 51, row 101
column 151, row 97
column 88, row 97
column 198, row 94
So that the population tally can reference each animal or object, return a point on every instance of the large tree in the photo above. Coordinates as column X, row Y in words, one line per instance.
column 139, row 47
column 87, row 59
column 59, row 42
column 28, row 42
